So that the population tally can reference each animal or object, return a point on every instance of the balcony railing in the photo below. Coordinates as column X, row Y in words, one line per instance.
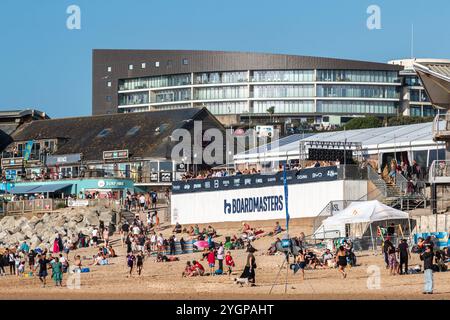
column 441, row 127
column 439, row 171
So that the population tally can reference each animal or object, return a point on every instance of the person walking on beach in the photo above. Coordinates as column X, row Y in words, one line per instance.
column 341, row 260
column 57, row 271
column 130, row 262
column 229, row 262
column 250, row 266
column 427, row 258
column 124, row 232
column 139, row 262
column 42, row 261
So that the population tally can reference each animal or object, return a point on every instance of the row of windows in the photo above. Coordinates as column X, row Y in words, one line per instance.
column 219, row 108
column 412, row 81
column 221, row 93
column 172, row 95
column 284, row 106
column 133, row 98
column 283, row 75
column 155, row 82
column 221, row 77
column 352, row 107
column 357, row 76
column 357, row 91
column 418, row 95
column 283, row 91
column 258, row 76
column 422, row 111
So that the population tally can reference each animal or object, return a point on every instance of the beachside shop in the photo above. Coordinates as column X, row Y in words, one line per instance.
column 106, row 187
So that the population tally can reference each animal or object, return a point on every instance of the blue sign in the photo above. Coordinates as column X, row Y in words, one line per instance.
column 319, row 174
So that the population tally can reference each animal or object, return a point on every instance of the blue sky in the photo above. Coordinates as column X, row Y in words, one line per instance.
column 46, row 66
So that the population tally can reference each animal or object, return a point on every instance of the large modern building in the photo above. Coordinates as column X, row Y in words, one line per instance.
column 244, row 87
column 413, row 96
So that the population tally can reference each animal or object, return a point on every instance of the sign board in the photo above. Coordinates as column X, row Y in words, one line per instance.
column 12, row 162
column 63, row 159
column 110, row 184
column 181, row 167
column 154, row 177
column 165, row 177
column 115, row 154
column 264, row 131
column 256, row 180
column 77, row 203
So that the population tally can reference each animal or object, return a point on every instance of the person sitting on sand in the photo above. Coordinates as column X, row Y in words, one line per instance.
column 111, row 252
column 327, row 257
column 245, row 227
column 198, row 269
column 277, row 229
column 211, row 231
column 187, row 270
column 177, row 228
column 196, row 230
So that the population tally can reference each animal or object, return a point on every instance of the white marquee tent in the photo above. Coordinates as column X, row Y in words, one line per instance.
column 359, row 214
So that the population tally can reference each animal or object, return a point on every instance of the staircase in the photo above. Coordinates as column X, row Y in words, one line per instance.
column 128, row 216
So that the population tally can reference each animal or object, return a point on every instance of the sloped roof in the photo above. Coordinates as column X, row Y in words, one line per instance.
column 144, row 134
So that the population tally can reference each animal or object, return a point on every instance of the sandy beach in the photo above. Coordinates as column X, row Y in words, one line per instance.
column 163, row 281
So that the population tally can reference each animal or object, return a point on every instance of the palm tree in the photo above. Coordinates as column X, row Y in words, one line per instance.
column 271, row 111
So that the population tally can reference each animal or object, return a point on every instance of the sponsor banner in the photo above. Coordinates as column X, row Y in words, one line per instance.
column 165, row 177
column 306, row 200
column 63, row 159
column 77, row 203
column 12, row 162
column 115, row 154
column 256, row 180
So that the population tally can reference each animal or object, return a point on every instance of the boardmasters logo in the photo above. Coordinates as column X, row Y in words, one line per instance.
column 253, row 204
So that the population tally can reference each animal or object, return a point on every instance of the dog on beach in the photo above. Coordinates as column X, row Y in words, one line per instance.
column 241, row 281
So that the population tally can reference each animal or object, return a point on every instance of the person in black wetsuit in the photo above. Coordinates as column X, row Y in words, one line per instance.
column 404, row 254
column 139, row 262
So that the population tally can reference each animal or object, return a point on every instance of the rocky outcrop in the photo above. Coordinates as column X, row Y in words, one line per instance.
column 42, row 231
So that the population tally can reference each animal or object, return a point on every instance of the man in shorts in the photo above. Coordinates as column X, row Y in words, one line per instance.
column 43, row 261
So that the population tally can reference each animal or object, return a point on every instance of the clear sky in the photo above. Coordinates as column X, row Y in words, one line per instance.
column 46, row 66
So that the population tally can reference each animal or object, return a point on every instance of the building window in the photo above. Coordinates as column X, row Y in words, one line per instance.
column 185, row 61
column 108, row 98
column 109, row 69
column 130, row 67
column 157, row 64
column 103, row 133
column 143, row 65
column 109, row 84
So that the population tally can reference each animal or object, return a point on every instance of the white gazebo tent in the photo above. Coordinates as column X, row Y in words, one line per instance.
column 361, row 215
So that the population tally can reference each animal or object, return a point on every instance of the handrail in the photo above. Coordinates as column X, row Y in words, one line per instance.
column 437, row 125
column 439, row 169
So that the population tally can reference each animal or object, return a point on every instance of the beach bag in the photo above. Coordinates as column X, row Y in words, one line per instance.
column 218, row 272
column 84, row 270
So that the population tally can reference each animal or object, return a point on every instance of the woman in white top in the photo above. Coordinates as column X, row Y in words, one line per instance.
column 220, row 253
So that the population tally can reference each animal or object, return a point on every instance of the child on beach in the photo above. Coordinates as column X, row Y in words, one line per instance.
column 211, row 261
column 229, row 262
